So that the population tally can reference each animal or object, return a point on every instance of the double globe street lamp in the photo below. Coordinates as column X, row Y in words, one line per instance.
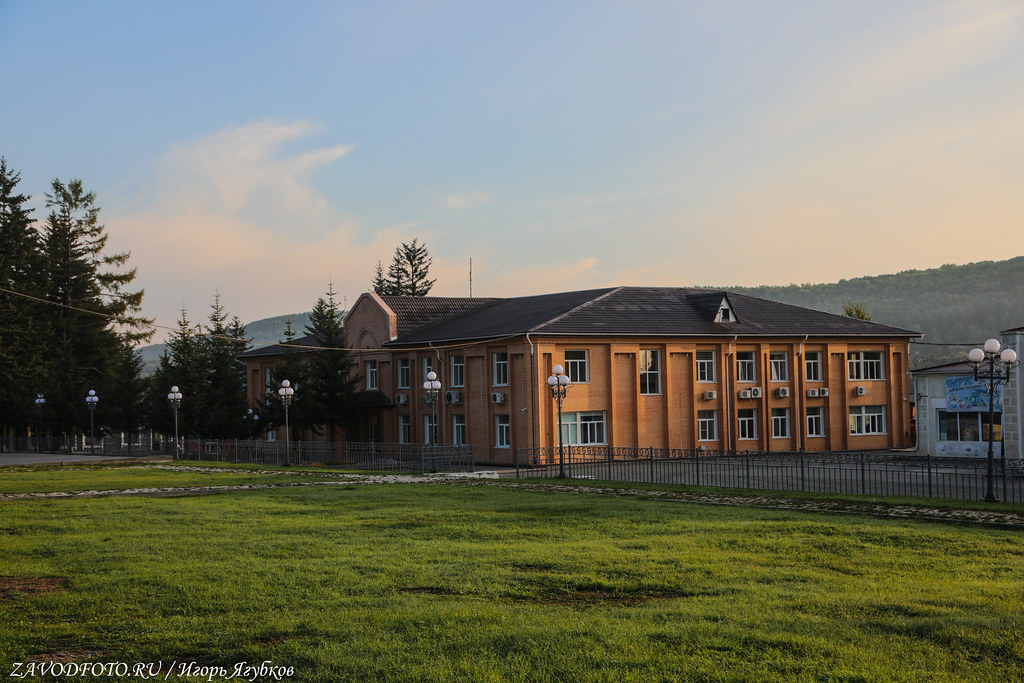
column 91, row 400
column 559, row 382
column 286, row 393
column 174, row 398
column 989, row 364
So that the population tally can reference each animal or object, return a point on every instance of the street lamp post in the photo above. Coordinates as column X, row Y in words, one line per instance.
column 91, row 400
column 286, row 392
column 559, row 382
column 40, row 402
column 174, row 398
column 252, row 418
column 989, row 364
column 431, row 388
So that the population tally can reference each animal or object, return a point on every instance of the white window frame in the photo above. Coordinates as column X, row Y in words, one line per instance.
column 584, row 428
column 458, row 371
column 746, row 424
column 778, row 362
column 404, row 373
column 371, row 375
column 780, row 423
column 815, row 422
column 867, row 420
column 459, row 429
column 404, row 429
column 705, row 366
column 428, row 366
column 707, row 425
column 746, row 366
column 865, row 369
column 499, row 365
column 812, row 366
column 502, row 431
column 650, row 371
column 578, row 369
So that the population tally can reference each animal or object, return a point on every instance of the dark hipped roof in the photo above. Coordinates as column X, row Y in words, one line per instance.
column 960, row 367
column 638, row 311
column 419, row 312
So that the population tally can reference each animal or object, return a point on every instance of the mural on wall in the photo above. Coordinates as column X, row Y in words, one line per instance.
column 966, row 395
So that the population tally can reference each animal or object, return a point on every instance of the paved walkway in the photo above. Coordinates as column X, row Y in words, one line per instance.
column 1012, row 520
column 22, row 458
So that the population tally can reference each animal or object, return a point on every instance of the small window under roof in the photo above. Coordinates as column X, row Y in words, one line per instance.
column 725, row 314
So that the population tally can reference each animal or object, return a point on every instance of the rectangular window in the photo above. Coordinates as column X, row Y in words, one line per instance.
column 404, row 429
column 459, row 430
column 268, row 380
column 815, row 424
column 746, row 368
column 458, row 375
column 705, row 366
column 371, row 375
column 500, row 369
column 747, row 423
column 430, row 428
column 968, row 426
column 707, row 425
column 779, row 364
column 867, row 420
column 780, row 423
column 650, row 372
column 404, row 375
column 812, row 366
column 576, row 366
column 502, row 437
column 428, row 365
column 581, row 429
column 866, row 365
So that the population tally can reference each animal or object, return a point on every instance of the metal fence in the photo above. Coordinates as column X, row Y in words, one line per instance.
column 392, row 457
column 878, row 473
column 141, row 444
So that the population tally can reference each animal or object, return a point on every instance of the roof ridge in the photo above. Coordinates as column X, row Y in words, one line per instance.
column 558, row 317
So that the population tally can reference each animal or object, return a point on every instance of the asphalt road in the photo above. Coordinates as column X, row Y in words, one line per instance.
column 50, row 458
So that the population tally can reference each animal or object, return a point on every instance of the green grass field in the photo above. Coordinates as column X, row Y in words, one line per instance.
column 448, row 582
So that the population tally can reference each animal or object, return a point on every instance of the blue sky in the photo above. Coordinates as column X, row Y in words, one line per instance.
column 262, row 149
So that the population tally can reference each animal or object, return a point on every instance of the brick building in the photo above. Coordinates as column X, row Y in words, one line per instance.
column 649, row 366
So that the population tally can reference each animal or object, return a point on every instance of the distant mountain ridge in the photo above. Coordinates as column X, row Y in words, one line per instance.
column 955, row 307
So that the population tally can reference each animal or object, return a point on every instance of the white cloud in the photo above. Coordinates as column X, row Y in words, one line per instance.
column 462, row 200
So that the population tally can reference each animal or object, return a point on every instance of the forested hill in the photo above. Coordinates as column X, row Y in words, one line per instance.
column 957, row 305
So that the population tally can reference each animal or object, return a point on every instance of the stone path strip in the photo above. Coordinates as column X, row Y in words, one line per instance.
column 1001, row 519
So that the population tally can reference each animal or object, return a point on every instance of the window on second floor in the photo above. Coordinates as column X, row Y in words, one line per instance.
column 404, row 375
column 812, row 366
column 746, row 368
column 650, row 372
column 779, row 364
column 865, row 365
column 576, row 366
column 500, row 364
column 705, row 366
column 458, row 374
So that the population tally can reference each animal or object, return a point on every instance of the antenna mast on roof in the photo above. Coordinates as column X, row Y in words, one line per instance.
column 470, row 277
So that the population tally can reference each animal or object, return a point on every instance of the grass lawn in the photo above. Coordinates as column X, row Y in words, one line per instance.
column 45, row 480
column 447, row 582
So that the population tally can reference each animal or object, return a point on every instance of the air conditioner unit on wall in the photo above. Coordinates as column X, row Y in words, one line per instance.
column 782, row 392
column 755, row 392
column 823, row 392
column 745, row 393
column 710, row 395
column 401, row 399
column 859, row 391
column 497, row 397
column 451, row 397
column 812, row 393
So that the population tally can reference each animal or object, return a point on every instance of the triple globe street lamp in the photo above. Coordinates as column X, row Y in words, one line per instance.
column 989, row 364
column 174, row 398
column 432, row 388
column 40, row 402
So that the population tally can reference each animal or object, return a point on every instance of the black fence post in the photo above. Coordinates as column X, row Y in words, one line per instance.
column 863, row 475
column 611, row 455
column 928, row 460
column 803, row 479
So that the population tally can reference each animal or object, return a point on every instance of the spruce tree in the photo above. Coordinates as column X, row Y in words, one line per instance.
column 94, row 316
column 293, row 367
column 332, row 383
column 23, row 366
column 408, row 274
column 225, row 392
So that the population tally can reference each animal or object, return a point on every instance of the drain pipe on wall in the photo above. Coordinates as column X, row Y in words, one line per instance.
column 727, row 417
column 533, row 392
